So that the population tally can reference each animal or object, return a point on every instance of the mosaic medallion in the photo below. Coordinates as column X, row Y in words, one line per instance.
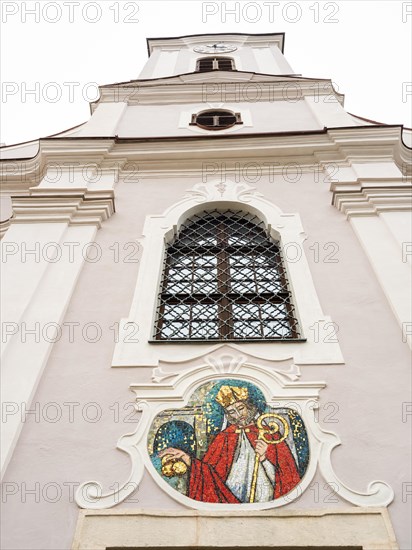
column 229, row 446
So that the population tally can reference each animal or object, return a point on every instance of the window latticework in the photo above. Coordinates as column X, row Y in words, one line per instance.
column 224, row 279
column 215, row 120
column 215, row 64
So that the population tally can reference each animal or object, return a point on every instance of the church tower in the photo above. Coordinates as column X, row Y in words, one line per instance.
column 211, row 274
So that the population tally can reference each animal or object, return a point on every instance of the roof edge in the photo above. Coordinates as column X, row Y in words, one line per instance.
column 282, row 34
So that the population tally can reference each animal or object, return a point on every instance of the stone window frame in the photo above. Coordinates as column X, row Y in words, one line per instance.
column 216, row 64
column 132, row 351
column 217, row 116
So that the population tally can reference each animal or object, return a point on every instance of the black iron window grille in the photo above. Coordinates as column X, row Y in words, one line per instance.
column 224, row 279
column 207, row 64
column 215, row 120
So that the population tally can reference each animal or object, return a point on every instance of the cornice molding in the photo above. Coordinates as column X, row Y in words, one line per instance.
column 74, row 207
column 18, row 176
column 235, row 86
column 186, row 156
column 374, row 200
column 4, row 225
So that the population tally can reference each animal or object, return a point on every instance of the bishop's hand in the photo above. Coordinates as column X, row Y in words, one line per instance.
column 261, row 448
column 172, row 453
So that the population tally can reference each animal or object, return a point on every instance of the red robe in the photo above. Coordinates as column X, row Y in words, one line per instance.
column 208, row 476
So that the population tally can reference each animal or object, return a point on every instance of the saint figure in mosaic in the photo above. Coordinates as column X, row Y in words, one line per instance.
column 232, row 448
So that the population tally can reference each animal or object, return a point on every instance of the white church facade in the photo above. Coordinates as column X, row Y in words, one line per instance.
column 206, row 314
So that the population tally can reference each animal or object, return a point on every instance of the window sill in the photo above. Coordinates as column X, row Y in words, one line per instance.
column 232, row 341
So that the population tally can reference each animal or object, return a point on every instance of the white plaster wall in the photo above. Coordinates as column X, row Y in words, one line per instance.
column 69, row 175
column 400, row 227
column 36, row 289
column 407, row 137
column 292, row 112
column 104, row 120
column 6, row 208
column 261, row 58
column 25, row 150
column 364, row 401
column 389, row 261
column 162, row 120
column 150, row 65
column 166, row 61
column 327, row 110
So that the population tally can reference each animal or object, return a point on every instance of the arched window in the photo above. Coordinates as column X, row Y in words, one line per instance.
column 207, row 64
column 224, row 279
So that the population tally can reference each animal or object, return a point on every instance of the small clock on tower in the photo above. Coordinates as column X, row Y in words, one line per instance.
column 215, row 48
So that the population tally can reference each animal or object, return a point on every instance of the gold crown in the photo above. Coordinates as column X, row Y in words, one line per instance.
column 228, row 395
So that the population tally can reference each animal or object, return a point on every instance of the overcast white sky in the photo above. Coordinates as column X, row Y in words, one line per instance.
column 363, row 46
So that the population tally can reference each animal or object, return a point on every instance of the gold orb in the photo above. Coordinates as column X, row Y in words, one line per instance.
column 167, row 469
column 179, row 468
column 173, row 466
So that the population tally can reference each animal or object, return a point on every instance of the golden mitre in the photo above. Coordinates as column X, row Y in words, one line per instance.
column 228, row 395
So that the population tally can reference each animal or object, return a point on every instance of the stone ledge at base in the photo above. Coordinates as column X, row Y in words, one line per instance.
column 349, row 529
